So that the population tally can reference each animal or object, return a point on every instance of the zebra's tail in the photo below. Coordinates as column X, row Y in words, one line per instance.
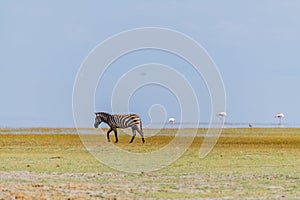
column 141, row 127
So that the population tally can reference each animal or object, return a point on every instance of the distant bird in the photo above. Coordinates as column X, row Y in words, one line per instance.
column 222, row 114
column 250, row 125
column 171, row 120
column 279, row 116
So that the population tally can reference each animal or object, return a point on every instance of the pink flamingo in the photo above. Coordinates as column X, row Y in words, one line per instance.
column 279, row 116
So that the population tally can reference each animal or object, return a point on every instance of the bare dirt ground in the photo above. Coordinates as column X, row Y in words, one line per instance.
column 155, row 185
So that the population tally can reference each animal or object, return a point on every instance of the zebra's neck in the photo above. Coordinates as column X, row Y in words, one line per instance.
column 104, row 116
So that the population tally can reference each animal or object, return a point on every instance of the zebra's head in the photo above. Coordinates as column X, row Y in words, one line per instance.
column 98, row 120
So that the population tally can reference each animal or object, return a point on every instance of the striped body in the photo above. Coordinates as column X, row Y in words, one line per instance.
column 120, row 121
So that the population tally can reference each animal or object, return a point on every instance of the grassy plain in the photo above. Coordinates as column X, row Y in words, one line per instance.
column 250, row 163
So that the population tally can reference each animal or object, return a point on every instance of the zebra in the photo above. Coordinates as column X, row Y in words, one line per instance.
column 120, row 121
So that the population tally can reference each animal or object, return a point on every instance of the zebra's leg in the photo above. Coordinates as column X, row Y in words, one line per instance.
column 108, row 134
column 133, row 135
column 141, row 132
column 116, row 135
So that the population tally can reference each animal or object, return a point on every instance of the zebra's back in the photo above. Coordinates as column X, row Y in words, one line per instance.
column 127, row 120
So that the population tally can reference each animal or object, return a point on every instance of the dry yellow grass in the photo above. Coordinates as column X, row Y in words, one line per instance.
column 245, row 163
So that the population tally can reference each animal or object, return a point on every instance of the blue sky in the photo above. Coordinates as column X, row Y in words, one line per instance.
column 255, row 45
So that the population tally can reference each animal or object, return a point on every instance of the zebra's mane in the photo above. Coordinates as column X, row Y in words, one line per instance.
column 103, row 115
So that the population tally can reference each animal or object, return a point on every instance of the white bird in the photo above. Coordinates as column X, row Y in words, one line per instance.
column 279, row 115
column 171, row 120
column 222, row 114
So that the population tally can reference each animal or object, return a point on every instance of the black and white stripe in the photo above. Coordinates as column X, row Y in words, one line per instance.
column 120, row 121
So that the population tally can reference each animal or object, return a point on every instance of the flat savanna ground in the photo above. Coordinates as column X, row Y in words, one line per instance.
column 245, row 164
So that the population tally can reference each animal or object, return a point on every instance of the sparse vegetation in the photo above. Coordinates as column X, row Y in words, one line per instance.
column 245, row 163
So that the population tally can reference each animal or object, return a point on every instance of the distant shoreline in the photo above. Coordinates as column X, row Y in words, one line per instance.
column 201, row 132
